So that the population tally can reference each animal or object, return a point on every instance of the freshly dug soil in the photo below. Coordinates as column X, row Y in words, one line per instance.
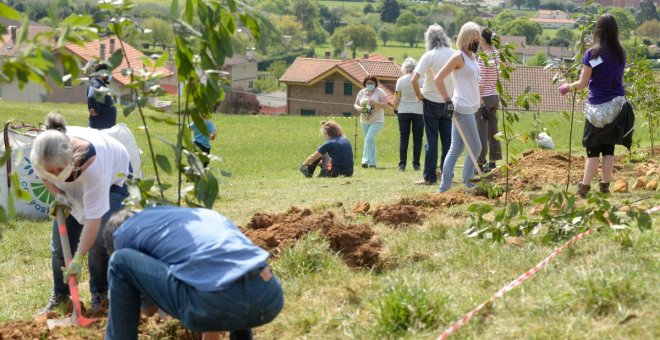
column 397, row 215
column 446, row 199
column 539, row 168
column 357, row 243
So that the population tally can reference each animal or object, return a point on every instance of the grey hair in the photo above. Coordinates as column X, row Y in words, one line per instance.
column 51, row 147
column 408, row 65
column 115, row 222
column 435, row 37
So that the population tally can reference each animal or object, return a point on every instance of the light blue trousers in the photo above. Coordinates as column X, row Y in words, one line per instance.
column 370, row 130
column 469, row 127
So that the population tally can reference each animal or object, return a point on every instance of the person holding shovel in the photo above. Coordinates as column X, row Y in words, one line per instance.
column 195, row 265
column 464, row 70
column 610, row 117
column 84, row 169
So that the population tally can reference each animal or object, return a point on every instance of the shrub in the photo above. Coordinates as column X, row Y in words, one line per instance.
column 240, row 101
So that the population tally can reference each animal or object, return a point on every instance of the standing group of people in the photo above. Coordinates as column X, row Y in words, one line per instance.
column 451, row 97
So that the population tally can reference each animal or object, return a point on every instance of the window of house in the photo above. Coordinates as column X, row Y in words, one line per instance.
column 305, row 112
column 250, row 85
column 348, row 114
column 329, row 87
column 348, row 88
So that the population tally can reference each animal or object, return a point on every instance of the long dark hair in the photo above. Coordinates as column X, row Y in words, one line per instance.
column 606, row 38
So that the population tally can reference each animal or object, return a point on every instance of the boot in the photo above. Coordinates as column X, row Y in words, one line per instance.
column 55, row 301
column 605, row 188
column 583, row 189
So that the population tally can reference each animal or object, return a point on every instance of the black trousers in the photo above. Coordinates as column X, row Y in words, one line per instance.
column 408, row 122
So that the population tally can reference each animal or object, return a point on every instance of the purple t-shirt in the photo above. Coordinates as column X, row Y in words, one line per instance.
column 606, row 77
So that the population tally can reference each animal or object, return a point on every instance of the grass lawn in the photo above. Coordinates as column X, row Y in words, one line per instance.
column 348, row 5
column 433, row 271
column 393, row 49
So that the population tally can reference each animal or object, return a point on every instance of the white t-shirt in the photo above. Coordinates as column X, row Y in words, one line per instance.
column 377, row 114
column 429, row 65
column 466, row 95
column 90, row 192
column 408, row 102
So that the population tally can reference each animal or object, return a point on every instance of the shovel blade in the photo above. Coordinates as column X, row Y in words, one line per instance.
column 52, row 323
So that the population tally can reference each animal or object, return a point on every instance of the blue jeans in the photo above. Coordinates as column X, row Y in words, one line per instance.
column 406, row 122
column 435, row 123
column 370, row 131
column 245, row 304
column 98, row 256
column 469, row 127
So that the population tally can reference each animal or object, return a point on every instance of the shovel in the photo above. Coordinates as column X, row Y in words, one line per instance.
column 470, row 153
column 76, row 318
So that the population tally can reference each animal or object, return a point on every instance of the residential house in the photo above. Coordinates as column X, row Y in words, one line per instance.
column 327, row 87
column 273, row 103
column 77, row 93
column 553, row 19
column 241, row 70
column 525, row 51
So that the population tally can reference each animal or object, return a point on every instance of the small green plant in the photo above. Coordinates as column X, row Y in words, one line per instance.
column 403, row 307
column 308, row 256
column 560, row 218
column 492, row 189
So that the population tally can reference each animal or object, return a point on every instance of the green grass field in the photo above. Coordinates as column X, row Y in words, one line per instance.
column 434, row 272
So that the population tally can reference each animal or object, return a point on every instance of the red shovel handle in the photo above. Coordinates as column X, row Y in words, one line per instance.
column 73, row 286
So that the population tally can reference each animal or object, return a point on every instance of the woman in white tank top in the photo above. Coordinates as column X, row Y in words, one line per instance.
column 464, row 70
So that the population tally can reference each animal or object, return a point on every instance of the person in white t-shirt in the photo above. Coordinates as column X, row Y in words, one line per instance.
column 409, row 113
column 464, row 70
column 86, row 169
column 436, row 122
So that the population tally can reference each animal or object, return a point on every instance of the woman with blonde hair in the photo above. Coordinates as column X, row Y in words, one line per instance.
column 85, row 170
column 335, row 156
column 464, row 70
column 409, row 112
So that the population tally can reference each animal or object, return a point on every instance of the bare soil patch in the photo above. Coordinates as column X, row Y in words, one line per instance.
column 540, row 168
column 397, row 215
column 446, row 199
column 357, row 243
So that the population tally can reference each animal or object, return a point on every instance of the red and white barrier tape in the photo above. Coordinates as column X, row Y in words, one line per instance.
column 515, row 283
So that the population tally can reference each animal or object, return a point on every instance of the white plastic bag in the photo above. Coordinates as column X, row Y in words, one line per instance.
column 544, row 141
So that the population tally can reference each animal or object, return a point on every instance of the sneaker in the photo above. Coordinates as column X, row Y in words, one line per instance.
column 424, row 182
column 56, row 301
column 416, row 167
column 402, row 168
column 99, row 300
column 364, row 166
column 305, row 170
column 372, row 166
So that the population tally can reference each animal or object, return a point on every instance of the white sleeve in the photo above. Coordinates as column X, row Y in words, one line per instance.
column 422, row 66
column 397, row 87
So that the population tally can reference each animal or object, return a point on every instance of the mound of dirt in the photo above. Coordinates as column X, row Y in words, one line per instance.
column 446, row 199
column 357, row 243
column 539, row 168
column 397, row 215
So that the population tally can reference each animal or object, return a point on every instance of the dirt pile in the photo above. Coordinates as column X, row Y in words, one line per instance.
column 357, row 243
column 397, row 215
column 446, row 199
column 539, row 168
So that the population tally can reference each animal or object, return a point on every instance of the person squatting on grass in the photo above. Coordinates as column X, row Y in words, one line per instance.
column 487, row 115
column 203, row 141
column 335, row 156
column 610, row 117
column 102, row 113
column 409, row 113
column 464, row 70
column 370, row 102
column 195, row 265
column 436, row 120
column 81, row 167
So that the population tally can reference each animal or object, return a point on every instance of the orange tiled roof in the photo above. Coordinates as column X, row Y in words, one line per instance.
column 92, row 51
column 539, row 80
column 307, row 70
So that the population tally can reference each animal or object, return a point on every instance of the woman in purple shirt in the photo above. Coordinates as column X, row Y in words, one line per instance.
column 607, row 112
